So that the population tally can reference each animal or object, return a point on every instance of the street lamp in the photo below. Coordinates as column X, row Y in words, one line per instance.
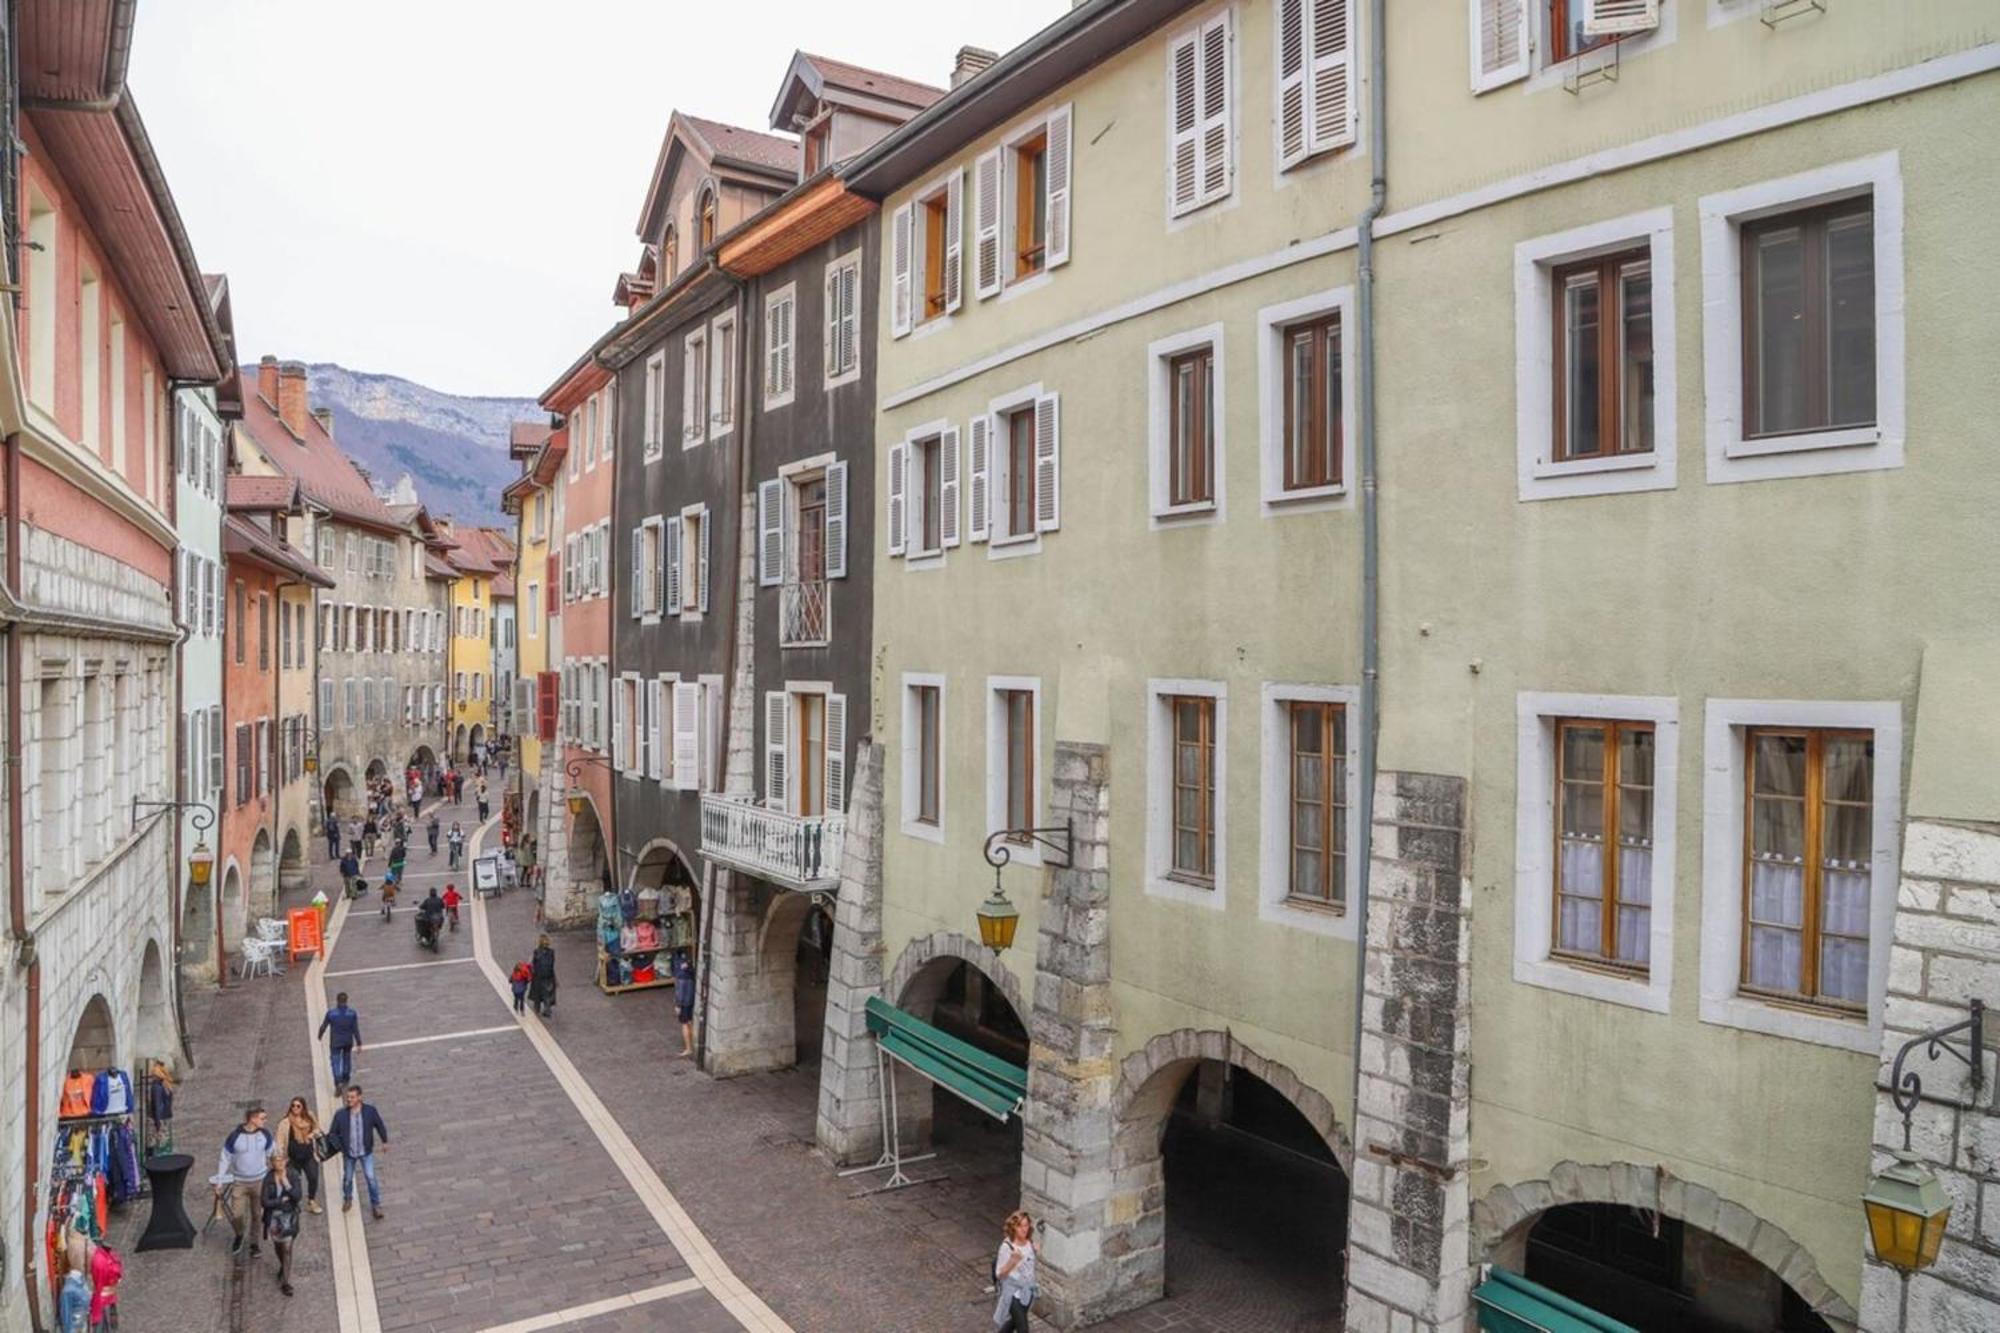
column 1906, row 1206
column 201, row 861
column 578, row 797
column 311, row 743
column 998, row 917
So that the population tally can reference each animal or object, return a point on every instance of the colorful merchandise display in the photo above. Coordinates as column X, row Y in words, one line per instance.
column 634, row 930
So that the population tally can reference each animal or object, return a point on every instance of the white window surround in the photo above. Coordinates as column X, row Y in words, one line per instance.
column 914, row 557
column 1732, row 458
column 1272, row 321
column 651, row 609
column 1534, row 361
column 787, row 295
column 852, row 259
column 1000, row 547
column 1722, row 1002
column 722, row 371
column 694, row 425
column 937, row 188
column 912, row 768
column 692, row 570
column 1274, row 900
column 1160, row 796
column 631, row 719
column 1551, row 74
column 1020, row 854
column 1159, row 424
column 1021, row 131
column 654, row 409
column 1534, row 844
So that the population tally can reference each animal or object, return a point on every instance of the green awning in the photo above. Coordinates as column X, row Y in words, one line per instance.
column 960, row 1068
column 1509, row 1303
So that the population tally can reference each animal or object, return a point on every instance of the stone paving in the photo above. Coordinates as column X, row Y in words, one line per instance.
column 503, row 1205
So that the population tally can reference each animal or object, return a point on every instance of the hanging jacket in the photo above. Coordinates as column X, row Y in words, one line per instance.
column 105, row 1271
column 76, row 1092
column 111, row 1093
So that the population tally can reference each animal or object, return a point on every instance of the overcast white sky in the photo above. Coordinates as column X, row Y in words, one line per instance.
column 446, row 189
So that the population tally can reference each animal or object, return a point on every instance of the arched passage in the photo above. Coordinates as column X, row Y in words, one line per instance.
column 586, row 867
column 155, row 1008
column 198, row 932
column 1655, row 1251
column 263, row 875
column 232, row 911
column 458, row 751
column 1229, row 1178
column 339, row 791
column 377, row 769
column 292, row 862
column 94, row 1045
column 423, row 757
column 476, row 738
column 960, row 986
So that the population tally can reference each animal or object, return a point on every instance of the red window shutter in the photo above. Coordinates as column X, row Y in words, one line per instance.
column 553, row 592
column 547, row 688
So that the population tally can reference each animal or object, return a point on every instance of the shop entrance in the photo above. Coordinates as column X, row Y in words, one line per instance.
column 377, row 769
column 587, row 870
column 197, row 950
column 423, row 758
column 812, row 967
column 458, row 744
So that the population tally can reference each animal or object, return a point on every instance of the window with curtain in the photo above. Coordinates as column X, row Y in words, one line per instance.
column 1809, row 319
column 1193, row 788
column 1604, row 842
column 1809, row 854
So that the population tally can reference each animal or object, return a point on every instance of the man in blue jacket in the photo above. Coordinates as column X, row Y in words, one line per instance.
column 345, row 1025
column 355, row 1130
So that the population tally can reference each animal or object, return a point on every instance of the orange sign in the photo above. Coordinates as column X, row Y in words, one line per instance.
column 306, row 937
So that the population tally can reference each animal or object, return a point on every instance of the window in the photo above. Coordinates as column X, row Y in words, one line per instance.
column 1013, row 761
column 933, row 493
column 923, row 756
column 1568, row 35
column 1017, row 708
column 694, row 388
column 1316, row 108
column 1200, row 100
column 42, row 301
column 688, row 580
column 939, row 248
column 1603, row 341
column 1029, row 170
column 705, row 219
column 1017, row 468
column 1802, row 298
column 243, row 763
column 1604, row 841
column 781, row 310
column 1015, row 512
column 263, row 632
column 843, row 320
column 1305, row 429
column 1191, row 428
column 1186, row 728
column 722, row 374
column 607, row 421
column 933, row 255
column 670, row 256
column 1318, row 795
column 805, row 748
column 242, row 621
column 1192, row 851
column 90, row 348
column 1808, row 862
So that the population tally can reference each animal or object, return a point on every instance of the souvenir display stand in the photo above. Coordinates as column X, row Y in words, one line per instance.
column 94, row 1161
column 638, row 932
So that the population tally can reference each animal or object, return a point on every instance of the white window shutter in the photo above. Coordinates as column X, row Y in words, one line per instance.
column 1331, row 76
column 836, row 754
column 770, row 533
column 986, row 224
column 701, row 588
column 1183, row 96
column 1610, row 18
column 777, row 728
column 981, row 445
column 618, row 755
column 673, row 566
column 1048, row 464
column 687, row 735
column 1058, row 163
column 836, row 520
column 660, row 558
column 948, row 487
column 1292, row 80
column 850, row 316
column 1217, row 98
column 659, row 757
column 954, row 243
column 901, row 254
column 1500, row 45
column 638, row 572
column 642, row 728
column 898, row 461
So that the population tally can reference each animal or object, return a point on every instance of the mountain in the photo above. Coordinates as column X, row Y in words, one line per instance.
column 453, row 447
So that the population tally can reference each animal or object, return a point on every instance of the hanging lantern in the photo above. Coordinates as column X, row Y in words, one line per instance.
column 577, row 799
column 1907, row 1211
column 998, row 919
column 201, row 864
column 311, row 762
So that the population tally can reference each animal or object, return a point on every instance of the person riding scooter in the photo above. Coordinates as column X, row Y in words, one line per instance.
column 430, row 919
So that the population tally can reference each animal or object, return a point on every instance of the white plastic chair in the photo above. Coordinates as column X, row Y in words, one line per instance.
column 271, row 929
column 260, row 957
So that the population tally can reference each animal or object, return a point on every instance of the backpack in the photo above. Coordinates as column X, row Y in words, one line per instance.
column 522, row 974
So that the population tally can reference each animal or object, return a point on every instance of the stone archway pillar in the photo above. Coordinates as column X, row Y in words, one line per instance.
column 747, row 1019
column 1066, row 1145
column 849, row 1127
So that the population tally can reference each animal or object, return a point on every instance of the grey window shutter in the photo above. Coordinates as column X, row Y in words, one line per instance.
column 836, row 520
column 701, row 588
column 981, row 431
column 673, row 566
column 770, row 533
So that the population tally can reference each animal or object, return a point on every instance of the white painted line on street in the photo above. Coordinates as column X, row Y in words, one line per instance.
column 693, row 1247
column 576, row 1314
column 374, row 1046
column 400, row 967
column 353, row 1276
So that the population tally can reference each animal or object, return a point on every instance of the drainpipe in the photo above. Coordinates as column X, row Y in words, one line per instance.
column 1371, row 534
column 17, row 904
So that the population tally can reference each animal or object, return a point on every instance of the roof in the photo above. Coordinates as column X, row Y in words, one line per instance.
column 817, row 76
column 755, row 148
column 436, row 568
column 262, row 493
column 244, row 540
column 324, row 473
column 768, row 156
column 818, row 209
column 524, row 437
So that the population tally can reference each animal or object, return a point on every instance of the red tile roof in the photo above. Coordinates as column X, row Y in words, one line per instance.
column 843, row 75
column 244, row 540
column 524, row 437
column 327, row 475
column 262, row 492
column 751, row 146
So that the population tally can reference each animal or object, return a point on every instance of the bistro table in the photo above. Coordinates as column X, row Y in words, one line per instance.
column 168, row 1228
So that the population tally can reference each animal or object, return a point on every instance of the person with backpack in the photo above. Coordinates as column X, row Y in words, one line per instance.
column 522, row 975
column 240, row 1171
column 278, row 1198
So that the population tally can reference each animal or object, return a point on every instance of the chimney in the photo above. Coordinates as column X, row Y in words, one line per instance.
column 267, row 380
column 292, row 396
column 324, row 416
column 971, row 60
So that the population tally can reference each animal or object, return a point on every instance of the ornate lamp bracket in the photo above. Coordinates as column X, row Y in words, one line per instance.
column 1058, row 839
column 1906, row 1086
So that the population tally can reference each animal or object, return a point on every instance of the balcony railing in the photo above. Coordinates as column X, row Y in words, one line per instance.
column 804, row 613
column 796, row 851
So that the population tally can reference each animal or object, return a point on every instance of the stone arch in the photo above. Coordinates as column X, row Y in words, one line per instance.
column 1149, row 1078
column 476, row 737
column 423, row 757
column 587, row 864
column 657, row 863
column 339, row 791
column 231, row 908
column 94, row 1044
column 904, row 989
column 292, row 869
column 1503, row 1217
column 377, row 769
column 458, row 750
column 155, row 1037
column 263, row 875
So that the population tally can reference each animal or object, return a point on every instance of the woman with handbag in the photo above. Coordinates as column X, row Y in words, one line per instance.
column 302, row 1145
column 281, row 1214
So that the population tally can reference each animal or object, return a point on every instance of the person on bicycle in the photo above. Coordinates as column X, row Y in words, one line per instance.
column 388, row 895
column 451, row 901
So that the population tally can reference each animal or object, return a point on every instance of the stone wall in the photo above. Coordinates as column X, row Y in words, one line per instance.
column 849, row 1126
column 1946, row 952
column 1409, row 1266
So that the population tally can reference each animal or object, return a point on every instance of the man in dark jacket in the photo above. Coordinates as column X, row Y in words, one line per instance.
column 332, row 836
column 345, row 1025
column 355, row 1130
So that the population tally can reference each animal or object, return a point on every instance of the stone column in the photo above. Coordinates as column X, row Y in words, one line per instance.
column 1946, row 952
column 850, row 1094
column 1408, row 1248
column 565, row 903
column 1066, row 1149
column 748, row 1017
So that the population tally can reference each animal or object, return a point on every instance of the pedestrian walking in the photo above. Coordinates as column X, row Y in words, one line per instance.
column 354, row 836
column 344, row 1027
column 458, row 789
column 239, row 1175
column 542, row 977
column 332, row 836
column 356, row 1130
column 684, row 999
column 298, row 1143
column 1014, row 1273
column 431, row 831
column 399, row 856
column 369, row 833
column 279, row 1200
column 483, row 807
column 350, row 872
column 456, row 840
column 519, row 979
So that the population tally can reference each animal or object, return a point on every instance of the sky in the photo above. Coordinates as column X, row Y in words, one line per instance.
column 446, row 190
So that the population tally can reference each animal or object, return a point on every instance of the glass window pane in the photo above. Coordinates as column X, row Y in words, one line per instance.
column 1635, row 934
column 1580, row 926
column 1780, row 764
column 1583, row 754
column 1635, row 360
column 1582, row 869
column 1306, row 720
column 1308, row 875
column 1582, row 810
column 1843, row 970
column 1778, row 830
column 1774, row 958
column 1777, row 894
column 1329, row 419
column 1635, row 757
column 1847, row 837
column 1850, row 319
column 1580, row 366
column 1779, row 322
column 1850, row 768
column 1307, row 826
column 1299, row 443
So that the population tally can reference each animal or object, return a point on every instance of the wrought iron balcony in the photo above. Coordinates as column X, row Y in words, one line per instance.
column 803, row 618
column 797, row 851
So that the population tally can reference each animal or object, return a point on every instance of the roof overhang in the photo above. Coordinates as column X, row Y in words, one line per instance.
column 816, row 211
column 692, row 290
column 583, row 378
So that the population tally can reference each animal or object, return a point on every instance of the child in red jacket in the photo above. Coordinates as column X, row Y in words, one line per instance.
column 451, row 902
column 523, row 974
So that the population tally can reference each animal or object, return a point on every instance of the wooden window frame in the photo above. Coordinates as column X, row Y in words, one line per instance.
column 929, row 708
column 705, row 218
column 1017, row 501
column 1030, row 192
column 1812, row 831
column 1017, row 799
column 926, row 533
column 1613, row 787
column 1610, row 272
column 1332, row 803
column 1558, row 14
column 934, row 212
column 1325, row 429
column 1198, row 489
column 1204, row 788
column 1812, row 221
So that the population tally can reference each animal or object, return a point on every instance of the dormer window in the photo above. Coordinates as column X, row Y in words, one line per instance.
column 670, row 254
column 706, row 216
column 817, row 145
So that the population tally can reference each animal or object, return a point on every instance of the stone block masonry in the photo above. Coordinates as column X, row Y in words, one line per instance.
column 849, row 1126
column 1946, row 952
column 1408, row 1254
